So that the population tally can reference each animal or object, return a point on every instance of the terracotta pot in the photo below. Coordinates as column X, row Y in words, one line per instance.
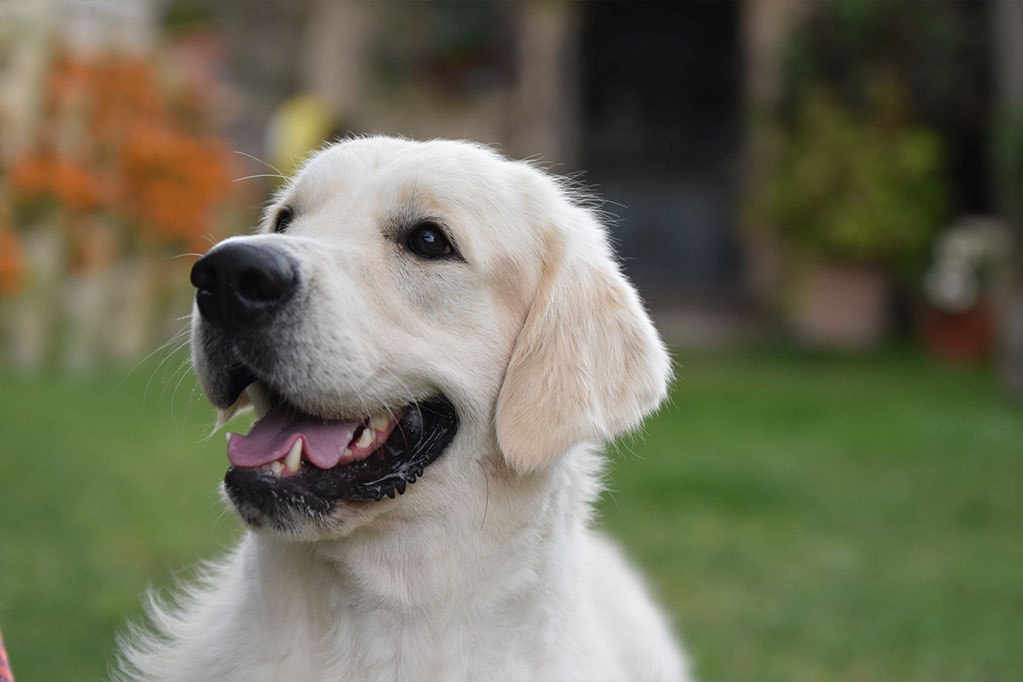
column 963, row 337
column 841, row 306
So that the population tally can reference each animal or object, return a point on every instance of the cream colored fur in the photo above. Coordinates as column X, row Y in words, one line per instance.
column 488, row 567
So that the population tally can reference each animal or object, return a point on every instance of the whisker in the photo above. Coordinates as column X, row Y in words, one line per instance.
column 168, row 356
column 410, row 397
column 486, row 503
column 259, row 175
column 173, row 374
column 177, row 335
column 272, row 167
column 174, row 393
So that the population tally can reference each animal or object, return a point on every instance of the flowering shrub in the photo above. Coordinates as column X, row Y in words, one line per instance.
column 121, row 169
column 117, row 143
column 170, row 184
column 44, row 180
column 851, row 190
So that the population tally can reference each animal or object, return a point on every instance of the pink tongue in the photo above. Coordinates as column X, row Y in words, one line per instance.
column 272, row 437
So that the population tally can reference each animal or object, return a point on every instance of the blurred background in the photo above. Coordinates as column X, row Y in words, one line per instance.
column 821, row 202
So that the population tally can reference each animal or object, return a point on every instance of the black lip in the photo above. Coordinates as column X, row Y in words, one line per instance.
column 238, row 378
column 421, row 436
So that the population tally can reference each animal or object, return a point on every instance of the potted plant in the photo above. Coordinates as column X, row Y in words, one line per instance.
column 851, row 199
column 970, row 259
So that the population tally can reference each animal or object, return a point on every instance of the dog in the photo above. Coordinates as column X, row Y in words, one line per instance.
column 436, row 341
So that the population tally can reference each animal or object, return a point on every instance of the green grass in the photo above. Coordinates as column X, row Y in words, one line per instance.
column 804, row 517
column 102, row 493
column 821, row 518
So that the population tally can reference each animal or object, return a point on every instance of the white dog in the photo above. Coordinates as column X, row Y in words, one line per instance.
column 424, row 311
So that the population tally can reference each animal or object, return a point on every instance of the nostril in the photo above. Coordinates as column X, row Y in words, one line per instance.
column 261, row 286
column 203, row 276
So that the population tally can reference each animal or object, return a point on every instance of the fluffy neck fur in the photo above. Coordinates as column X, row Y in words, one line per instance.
column 401, row 599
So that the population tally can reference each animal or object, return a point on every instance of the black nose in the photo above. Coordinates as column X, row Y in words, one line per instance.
column 242, row 285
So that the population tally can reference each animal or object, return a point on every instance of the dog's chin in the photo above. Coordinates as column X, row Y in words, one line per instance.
column 303, row 475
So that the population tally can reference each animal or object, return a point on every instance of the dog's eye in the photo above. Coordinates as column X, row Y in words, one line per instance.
column 427, row 240
column 283, row 219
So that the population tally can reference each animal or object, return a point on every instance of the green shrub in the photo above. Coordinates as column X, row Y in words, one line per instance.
column 849, row 189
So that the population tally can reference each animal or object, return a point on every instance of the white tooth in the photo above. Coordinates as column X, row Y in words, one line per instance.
column 294, row 459
column 226, row 414
column 275, row 467
column 366, row 438
column 379, row 422
column 257, row 396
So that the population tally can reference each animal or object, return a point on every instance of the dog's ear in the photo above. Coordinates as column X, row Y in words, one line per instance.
column 588, row 363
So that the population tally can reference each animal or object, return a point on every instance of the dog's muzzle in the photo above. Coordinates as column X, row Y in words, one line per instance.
column 294, row 463
column 241, row 286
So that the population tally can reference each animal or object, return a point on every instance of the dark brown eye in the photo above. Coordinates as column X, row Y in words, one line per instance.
column 283, row 219
column 427, row 240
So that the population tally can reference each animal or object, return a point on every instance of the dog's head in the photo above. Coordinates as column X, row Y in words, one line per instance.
column 408, row 311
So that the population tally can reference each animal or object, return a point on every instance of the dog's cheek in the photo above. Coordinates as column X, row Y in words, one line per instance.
column 202, row 351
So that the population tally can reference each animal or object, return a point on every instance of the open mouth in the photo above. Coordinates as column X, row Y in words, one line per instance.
column 292, row 460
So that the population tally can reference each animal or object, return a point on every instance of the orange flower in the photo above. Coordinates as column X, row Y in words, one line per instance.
column 173, row 181
column 129, row 144
column 39, row 176
column 11, row 263
column 75, row 186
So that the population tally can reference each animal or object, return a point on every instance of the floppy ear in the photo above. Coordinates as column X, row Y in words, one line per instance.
column 588, row 363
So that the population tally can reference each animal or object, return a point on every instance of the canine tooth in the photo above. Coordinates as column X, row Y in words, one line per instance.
column 294, row 458
column 379, row 422
column 257, row 396
column 275, row 467
column 225, row 415
column 365, row 439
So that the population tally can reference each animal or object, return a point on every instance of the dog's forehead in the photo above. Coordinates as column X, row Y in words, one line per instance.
column 479, row 194
column 402, row 169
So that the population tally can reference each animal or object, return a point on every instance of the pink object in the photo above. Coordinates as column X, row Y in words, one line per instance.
column 5, row 666
column 272, row 437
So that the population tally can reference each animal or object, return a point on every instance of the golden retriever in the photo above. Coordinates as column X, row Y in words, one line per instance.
column 436, row 341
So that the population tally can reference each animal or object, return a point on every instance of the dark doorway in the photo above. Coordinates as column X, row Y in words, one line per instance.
column 660, row 101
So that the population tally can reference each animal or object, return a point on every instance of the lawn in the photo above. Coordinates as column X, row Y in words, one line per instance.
column 805, row 518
